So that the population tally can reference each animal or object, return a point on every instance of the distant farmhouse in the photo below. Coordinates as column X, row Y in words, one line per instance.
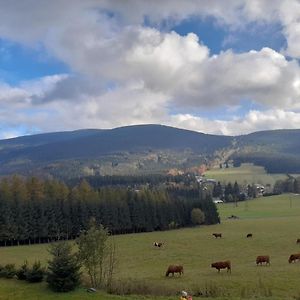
column 201, row 179
column 260, row 190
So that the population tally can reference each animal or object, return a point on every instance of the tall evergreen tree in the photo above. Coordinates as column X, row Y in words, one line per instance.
column 63, row 269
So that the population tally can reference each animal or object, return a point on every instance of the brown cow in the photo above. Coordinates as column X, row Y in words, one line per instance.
column 298, row 241
column 249, row 235
column 174, row 269
column 294, row 257
column 222, row 265
column 216, row 235
column 263, row 259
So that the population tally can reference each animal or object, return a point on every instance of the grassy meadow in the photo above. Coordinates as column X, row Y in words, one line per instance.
column 245, row 174
column 274, row 222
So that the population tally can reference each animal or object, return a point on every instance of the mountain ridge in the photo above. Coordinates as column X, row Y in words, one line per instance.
column 138, row 147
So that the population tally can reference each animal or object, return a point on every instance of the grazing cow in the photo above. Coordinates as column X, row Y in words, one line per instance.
column 216, row 235
column 249, row 235
column 157, row 244
column 263, row 259
column 174, row 269
column 222, row 265
column 298, row 241
column 294, row 257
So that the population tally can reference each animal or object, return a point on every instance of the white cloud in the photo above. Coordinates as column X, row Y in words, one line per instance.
column 180, row 68
column 264, row 77
column 132, row 104
column 57, row 23
column 10, row 94
column 128, row 73
column 251, row 122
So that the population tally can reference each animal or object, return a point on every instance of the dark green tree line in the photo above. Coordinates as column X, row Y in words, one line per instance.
column 36, row 211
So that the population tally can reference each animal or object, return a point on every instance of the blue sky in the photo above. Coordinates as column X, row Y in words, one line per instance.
column 219, row 38
column 217, row 68
column 19, row 62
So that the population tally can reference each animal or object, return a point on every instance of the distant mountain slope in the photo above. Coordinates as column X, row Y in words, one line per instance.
column 144, row 149
column 284, row 140
column 94, row 143
column 45, row 138
column 277, row 150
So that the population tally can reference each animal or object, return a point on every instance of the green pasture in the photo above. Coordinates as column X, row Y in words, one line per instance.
column 245, row 174
column 12, row 289
column 273, row 221
column 286, row 205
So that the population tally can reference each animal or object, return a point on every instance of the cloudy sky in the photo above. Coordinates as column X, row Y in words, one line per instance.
column 215, row 66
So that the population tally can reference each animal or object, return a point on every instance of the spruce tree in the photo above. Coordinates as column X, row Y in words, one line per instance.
column 35, row 273
column 64, row 269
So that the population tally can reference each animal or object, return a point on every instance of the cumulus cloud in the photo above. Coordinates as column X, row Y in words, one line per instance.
column 132, row 104
column 110, row 109
column 85, row 21
column 253, row 121
column 129, row 69
column 27, row 90
column 181, row 68
column 264, row 76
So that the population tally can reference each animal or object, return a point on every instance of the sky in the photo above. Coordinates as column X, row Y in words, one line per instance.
column 220, row 67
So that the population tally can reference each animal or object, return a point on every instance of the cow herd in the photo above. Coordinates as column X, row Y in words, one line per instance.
column 260, row 260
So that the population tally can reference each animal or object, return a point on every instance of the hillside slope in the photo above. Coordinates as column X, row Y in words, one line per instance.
column 131, row 149
column 144, row 149
column 277, row 150
column 92, row 143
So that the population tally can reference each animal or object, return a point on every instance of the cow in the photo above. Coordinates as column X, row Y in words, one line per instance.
column 249, row 235
column 222, row 265
column 157, row 244
column 294, row 257
column 298, row 241
column 174, row 269
column 216, row 235
column 263, row 259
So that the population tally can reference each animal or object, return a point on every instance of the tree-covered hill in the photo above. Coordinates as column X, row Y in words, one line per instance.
column 132, row 149
column 92, row 143
column 284, row 140
column 144, row 149
column 277, row 150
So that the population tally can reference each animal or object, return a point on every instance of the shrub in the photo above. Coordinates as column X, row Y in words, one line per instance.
column 8, row 271
column 21, row 272
column 36, row 273
column 197, row 216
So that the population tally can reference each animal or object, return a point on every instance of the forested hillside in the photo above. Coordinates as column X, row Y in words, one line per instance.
column 121, row 151
column 144, row 149
column 35, row 211
column 93, row 143
column 277, row 150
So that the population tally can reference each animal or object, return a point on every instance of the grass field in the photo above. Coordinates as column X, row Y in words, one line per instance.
column 274, row 222
column 245, row 174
